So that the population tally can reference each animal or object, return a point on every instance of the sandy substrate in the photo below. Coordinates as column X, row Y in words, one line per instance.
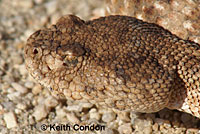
column 27, row 107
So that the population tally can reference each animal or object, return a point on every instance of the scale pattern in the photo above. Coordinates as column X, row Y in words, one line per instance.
column 118, row 62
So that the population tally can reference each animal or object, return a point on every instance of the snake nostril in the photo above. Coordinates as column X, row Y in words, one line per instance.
column 35, row 51
column 64, row 64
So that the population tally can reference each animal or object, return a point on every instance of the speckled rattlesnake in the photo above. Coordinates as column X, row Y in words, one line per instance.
column 117, row 61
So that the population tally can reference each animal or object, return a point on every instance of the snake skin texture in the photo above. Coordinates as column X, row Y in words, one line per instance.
column 118, row 62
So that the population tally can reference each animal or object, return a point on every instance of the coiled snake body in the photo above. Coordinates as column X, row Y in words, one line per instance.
column 117, row 61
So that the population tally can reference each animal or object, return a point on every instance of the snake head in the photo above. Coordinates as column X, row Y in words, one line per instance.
column 56, row 53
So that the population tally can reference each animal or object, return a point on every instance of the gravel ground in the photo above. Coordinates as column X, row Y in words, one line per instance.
column 25, row 106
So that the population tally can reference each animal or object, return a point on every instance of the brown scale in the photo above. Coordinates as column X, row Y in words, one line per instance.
column 118, row 62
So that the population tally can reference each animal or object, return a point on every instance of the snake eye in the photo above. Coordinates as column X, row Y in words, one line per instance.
column 70, row 61
column 70, row 54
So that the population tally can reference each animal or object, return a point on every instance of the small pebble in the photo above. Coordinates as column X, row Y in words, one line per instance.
column 125, row 129
column 167, row 124
column 181, row 131
column 193, row 131
column 94, row 114
column 29, row 84
column 8, row 105
column 25, row 3
column 141, row 125
column 21, row 106
column 133, row 117
column 18, row 111
column 10, row 119
column 107, row 131
column 72, row 118
column 85, row 117
column 51, row 6
column 108, row 117
column 36, row 89
column 155, row 127
column 5, row 87
column 51, row 102
column 60, row 112
column 124, row 116
column 16, row 58
column 1, row 109
column 54, row 18
column 163, row 129
column 31, row 120
column 75, row 108
column 114, row 124
column 40, row 112
column 29, row 96
column 86, row 104
column 40, row 99
column 19, row 88
column 38, row 1
column 22, row 70
column 13, row 96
